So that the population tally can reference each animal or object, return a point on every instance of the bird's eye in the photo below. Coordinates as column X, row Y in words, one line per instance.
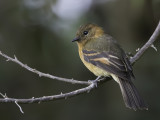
column 85, row 32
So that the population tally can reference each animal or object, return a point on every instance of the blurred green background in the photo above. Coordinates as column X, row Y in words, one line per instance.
column 39, row 33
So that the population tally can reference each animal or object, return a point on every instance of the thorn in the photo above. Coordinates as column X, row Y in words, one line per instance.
column 4, row 95
column 15, row 57
column 7, row 60
column 40, row 75
column 137, row 49
column 154, row 47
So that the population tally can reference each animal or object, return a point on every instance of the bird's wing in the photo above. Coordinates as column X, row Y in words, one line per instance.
column 110, row 63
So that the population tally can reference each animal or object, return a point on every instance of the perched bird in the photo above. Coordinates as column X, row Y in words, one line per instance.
column 104, row 57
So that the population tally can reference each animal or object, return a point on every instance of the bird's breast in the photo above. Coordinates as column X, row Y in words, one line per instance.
column 94, row 69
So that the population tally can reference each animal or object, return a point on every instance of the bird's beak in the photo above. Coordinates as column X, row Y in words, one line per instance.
column 76, row 39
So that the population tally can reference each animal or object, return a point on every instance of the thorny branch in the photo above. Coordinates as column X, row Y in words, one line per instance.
column 148, row 44
column 15, row 60
column 90, row 84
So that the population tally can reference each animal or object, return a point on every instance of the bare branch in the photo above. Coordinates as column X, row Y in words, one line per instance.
column 50, row 98
column 148, row 44
column 15, row 60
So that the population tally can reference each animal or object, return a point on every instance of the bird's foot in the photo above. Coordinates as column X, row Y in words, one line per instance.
column 95, row 81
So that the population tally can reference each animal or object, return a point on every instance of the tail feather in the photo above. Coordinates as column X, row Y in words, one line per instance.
column 131, row 96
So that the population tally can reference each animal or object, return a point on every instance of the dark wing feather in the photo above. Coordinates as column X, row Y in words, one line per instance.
column 109, row 62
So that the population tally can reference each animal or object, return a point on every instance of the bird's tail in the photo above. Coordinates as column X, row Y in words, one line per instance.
column 131, row 96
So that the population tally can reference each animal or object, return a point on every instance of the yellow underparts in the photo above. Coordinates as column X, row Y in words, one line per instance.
column 94, row 69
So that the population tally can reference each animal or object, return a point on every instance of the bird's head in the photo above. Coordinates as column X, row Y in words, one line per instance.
column 87, row 33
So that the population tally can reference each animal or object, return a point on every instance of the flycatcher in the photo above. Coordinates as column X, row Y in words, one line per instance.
column 104, row 57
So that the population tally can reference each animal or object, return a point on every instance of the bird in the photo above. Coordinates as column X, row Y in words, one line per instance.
column 104, row 57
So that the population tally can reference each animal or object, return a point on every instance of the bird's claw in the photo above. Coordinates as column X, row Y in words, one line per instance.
column 95, row 81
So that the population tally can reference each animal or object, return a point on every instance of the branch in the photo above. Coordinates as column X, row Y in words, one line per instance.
column 90, row 84
column 148, row 44
column 15, row 60
column 48, row 98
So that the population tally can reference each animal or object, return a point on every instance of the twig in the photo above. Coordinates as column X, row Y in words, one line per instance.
column 15, row 60
column 4, row 96
column 148, row 44
column 154, row 47
column 20, row 108
column 50, row 98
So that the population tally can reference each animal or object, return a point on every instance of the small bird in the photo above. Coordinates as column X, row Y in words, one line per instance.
column 104, row 57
